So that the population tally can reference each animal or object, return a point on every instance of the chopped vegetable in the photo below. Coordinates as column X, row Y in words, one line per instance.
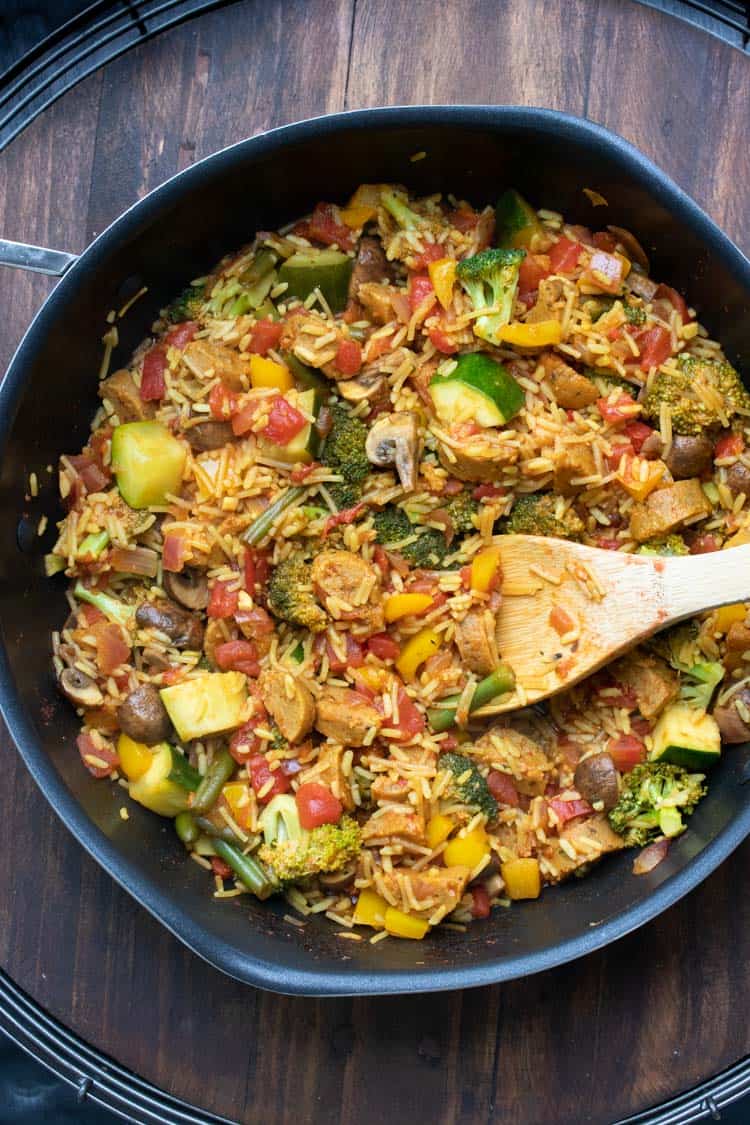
column 417, row 650
column 148, row 462
column 686, row 736
column 522, row 878
column 206, row 704
column 653, row 799
column 478, row 389
column 490, row 279
column 443, row 716
column 516, row 222
column 327, row 270
column 260, row 528
column 467, row 784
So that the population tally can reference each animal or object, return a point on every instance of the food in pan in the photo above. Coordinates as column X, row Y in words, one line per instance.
column 281, row 540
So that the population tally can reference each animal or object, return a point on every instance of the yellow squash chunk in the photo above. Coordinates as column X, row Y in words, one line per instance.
column 207, row 704
column 467, row 851
column 147, row 461
column 443, row 275
column 404, row 605
column 370, row 910
column 266, row 373
column 155, row 791
column 405, row 925
column 522, row 878
column 416, row 650
column 728, row 615
column 539, row 335
column 439, row 828
column 483, row 569
column 637, row 481
column 135, row 757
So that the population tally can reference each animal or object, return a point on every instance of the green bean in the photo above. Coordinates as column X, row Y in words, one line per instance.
column 219, row 772
column 208, row 828
column 499, row 682
column 259, row 529
column 247, row 869
column 186, row 828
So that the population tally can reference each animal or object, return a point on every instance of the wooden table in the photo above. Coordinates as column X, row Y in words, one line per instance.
column 595, row 1040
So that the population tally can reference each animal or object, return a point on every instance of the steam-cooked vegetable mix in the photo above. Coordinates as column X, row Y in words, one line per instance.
column 284, row 580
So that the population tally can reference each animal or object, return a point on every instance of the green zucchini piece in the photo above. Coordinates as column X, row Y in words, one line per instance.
column 308, row 376
column 516, row 221
column 147, row 461
column 686, row 737
column 479, row 389
column 304, row 446
column 327, row 270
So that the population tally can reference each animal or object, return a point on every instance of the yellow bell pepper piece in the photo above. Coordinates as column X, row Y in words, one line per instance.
column 625, row 264
column 467, row 850
column 439, row 828
column 266, row 373
column 739, row 540
column 405, row 605
column 362, row 206
column 356, row 216
column 135, row 757
column 522, row 878
column 728, row 615
column 416, row 650
column 370, row 910
column 236, row 794
column 443, row 275
column 483, row 569
column 636, row 481
column 405, row 925
column 538, row 335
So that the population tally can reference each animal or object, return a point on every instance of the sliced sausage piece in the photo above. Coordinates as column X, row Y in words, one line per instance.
column 476, row 640
column 345, row 716
column 738, row 479
column 596, row 780
column 573, row 463
column 481, row 458
column 121, row 391
column 209, row 360
column 738, row 643
column 572, row 390
column 344, row 582
column 406, row 823
column 209, row 435
column 143, row 716
column 653, row 681
column 512, row 752
column 329, row 770
column 370, row 264
column 731, row 724
column 289, row 702
column 436, row 887
column 184, row 629
column 688, row 456
column 667, row 509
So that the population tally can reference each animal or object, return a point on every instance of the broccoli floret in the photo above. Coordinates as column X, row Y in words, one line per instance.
column 290, row 594
column 467, row 783
column 634, row 314
column 607, row 381
column 690, row 413
column 396, row 203
column 653, row 799
column 490, row 280
column 393, row 526
column 345, row 495
column 112, row 608
column 291, row 853
column 461, row 509
column 187, row 306
column 678, row 645
column 666, row 545
column 344, row 452
column 700, row 683
column 598, row 306
column 535, row 514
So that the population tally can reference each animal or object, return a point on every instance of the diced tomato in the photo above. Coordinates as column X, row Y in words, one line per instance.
column 488, row 491
column 112, row 649
column 243, row 417
column 603, row 240
column 677, row 301
column 264, row 335
column 354, row 656
column 606, row 543
column 465, row 573
column 381, row 560
column 181, row 335
column 173, row 552
column 625, row 697
column 569, row 810
column 638, row 432
column 223, row 599
column 173, row 675
column 300, row 473
column 640, row 726
column 442, row 341
column 238, row 656
column 153, row 386
column 560, row 620
column 257, row 569
column 705, row 544
column 317, row 805
column 432, row 253
column 463, row 219
column 383, row 646
column 613, row 412
column 220, row 868
column 411, row 721
column 569, row 749
column 626, row 751
column 260, row 774
column 564, row 255
column 222, row 401
column 324, row 226
column 534, row 269
column 450, row 742
column 377, row 346
column 729, row 445
column 655, row 346
column 90, row 614
column 284, row 422
column 244, row 743
column 348, row 357
column 480, row 904
column 94, row 477
column 256, row 619
column 618, row 451
column 502, row 788
column 87, row 748
column 345, row 516
column 420, row 288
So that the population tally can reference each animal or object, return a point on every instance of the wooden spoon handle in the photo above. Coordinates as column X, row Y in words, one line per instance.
column 721, row 578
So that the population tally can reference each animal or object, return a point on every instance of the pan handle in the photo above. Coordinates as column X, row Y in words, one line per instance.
column 36, row 259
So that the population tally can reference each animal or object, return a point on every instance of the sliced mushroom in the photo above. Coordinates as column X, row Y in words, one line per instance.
column 738, row 479
column 369, row 387
column 394, row 439
column 731, row 724
column 336, row 879
column 154, row 659
column 143, row 716
column 209, row 435
column 189, row 587
column 184, row 629
column 596, row 780
column 80, row 689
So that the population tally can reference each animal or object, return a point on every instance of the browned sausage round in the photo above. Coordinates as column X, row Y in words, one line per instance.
column 183, row 629
column 738, row 479
column 688, row 456
column 143, row 716
column 596, row 780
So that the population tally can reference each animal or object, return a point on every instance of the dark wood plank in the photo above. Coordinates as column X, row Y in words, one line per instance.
column 594, row 1040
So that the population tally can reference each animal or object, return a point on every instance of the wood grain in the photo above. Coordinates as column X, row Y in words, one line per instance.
column 592, row 1041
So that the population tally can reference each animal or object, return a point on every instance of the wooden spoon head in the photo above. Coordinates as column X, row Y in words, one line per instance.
column 567, row 610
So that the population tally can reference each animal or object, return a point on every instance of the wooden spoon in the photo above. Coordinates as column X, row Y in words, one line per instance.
column 568, row 609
